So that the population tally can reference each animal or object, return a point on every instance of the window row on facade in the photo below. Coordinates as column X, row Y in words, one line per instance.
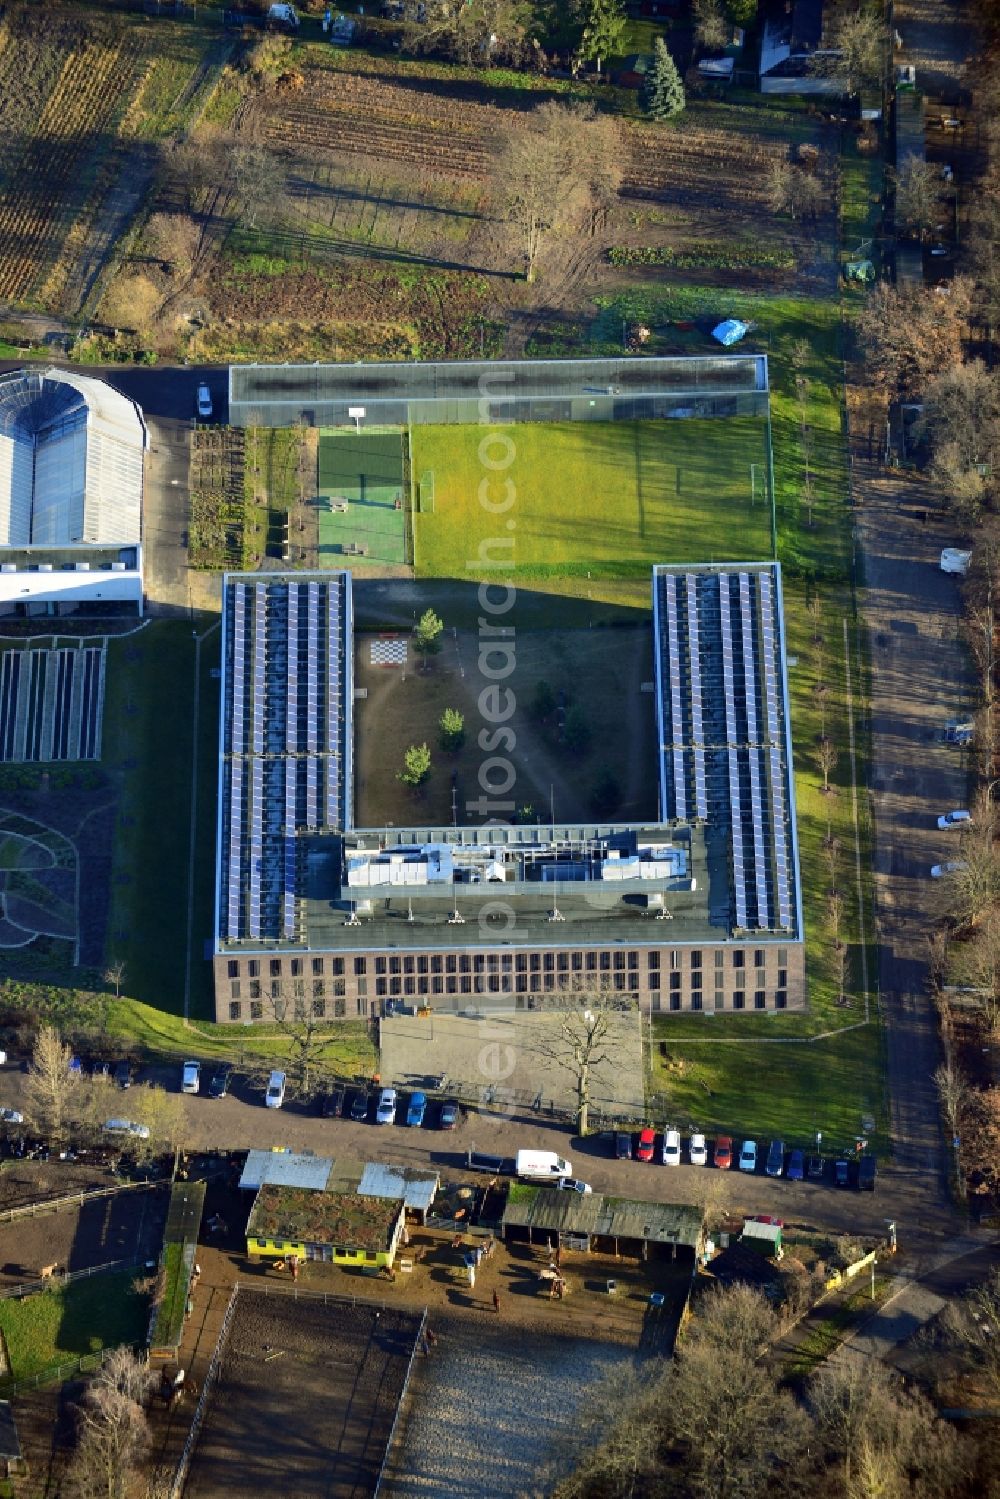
column 617, row 960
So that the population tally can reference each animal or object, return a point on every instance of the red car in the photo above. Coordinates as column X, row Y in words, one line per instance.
column 644, row 1149
column 723, row 1155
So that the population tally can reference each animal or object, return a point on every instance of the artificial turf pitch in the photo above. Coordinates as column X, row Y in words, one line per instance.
column 365, row 469
column 601, row 499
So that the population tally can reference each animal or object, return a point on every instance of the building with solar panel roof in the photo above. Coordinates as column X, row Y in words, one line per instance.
column 700, row 910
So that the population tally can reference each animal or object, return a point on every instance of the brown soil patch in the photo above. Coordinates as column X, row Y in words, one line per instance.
column 600, row 673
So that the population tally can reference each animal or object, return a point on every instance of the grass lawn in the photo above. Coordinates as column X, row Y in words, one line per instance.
column 593, row 501
column 66, row 1322
column 147, row 738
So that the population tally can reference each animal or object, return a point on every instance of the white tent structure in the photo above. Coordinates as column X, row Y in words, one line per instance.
column 71, row 460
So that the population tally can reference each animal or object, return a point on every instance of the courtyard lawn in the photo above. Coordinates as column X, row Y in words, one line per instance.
column 66, row 1322
column 593, row 502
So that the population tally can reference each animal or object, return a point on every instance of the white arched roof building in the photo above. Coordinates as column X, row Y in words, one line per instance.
column 71, row 475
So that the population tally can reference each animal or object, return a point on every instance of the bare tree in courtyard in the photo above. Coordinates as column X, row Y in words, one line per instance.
column 579, row 1037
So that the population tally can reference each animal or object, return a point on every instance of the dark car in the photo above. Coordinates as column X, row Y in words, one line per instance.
column 221, row 1077
column 359, row 1106
column 814, row 1168
column 123, row 1075
column 796, row 1166
column 842, row 1173
column 623, row 1146
column 775, row 1163
column 867, row 1172
column 448, row 1117
column 331, row 1104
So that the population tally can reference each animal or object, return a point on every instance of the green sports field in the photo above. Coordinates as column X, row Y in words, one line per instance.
column 360, row 487
column 601, row 500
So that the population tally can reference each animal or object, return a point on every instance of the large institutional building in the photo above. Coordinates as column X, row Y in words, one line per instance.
column 700, row 910
column 71, row 477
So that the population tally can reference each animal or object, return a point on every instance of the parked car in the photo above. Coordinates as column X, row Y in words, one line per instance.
column 748, row 1155
column 100, row 1068
column 644, row 1145
column 723, row 1153
column 814, row 1168
column 11, row 1116
column 386, row 1111
column 123, row 1074
column 670, row 1150
column 796, row 1166
column 219, row 1086
column 570, row 1184
column 418, row 1108
column 623, row 1146
column 204, row 402
column 867, row 1172
column 448, row 1117
column 331, row 1103
column 698, row 1151
column 275, row 1095
column 127, row 1127
column 775, row 1163
column 842, row 1173
column 359, row 1105
column 950, row 866
column 191, row 1077
column 956, row 819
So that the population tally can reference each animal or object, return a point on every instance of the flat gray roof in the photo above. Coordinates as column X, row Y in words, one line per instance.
column 285, row 1168
column 315, row 385
column 416, row 1187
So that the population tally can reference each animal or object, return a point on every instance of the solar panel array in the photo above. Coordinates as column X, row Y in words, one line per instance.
column 284, row 744
column 722, row 737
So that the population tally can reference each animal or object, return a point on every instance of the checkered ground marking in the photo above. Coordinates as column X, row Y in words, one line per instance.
column 389, row 651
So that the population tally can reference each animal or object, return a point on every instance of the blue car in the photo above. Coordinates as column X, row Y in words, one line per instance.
column 796, row 1166
column 418, row 1108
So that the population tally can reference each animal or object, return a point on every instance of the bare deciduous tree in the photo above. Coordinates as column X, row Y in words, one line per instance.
column 51, row 1085
column 919, row 195
column 711, row 29
column 578, row 1038
column 953, row 1093
column 115, row 974
column 826, row 759
column 112, row 1430
column 856, row 52
column 792, row 190
column 555, row 168
column 257, row 176
column 911, row 334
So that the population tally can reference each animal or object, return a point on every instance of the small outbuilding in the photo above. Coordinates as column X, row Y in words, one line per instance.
column 417, row 1187
column 11, row 1455
column 764, row 1237
column 338, row 1227
column 285, row 1168
column 601, row 1225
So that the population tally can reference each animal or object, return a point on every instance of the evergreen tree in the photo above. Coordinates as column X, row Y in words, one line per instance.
column 603, row 30
column 664, row 92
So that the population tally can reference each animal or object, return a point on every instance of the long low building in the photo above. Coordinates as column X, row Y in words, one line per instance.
column 601, row 1225
column 698, row 911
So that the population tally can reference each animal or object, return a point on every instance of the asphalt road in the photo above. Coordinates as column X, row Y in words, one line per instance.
column 163, row 391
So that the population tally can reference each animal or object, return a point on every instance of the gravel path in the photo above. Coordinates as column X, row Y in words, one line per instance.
column 491, row 1409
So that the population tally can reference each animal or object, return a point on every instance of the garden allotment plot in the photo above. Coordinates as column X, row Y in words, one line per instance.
column 592, row 499
column 361, row 503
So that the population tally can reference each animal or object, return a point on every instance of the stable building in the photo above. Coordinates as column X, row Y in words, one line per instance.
column 590, row 1223
column 337, row 1227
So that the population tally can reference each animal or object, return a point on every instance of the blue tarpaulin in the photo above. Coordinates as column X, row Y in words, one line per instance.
column 730, row 332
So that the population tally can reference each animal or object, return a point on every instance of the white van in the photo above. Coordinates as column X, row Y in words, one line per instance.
column 275, row 1096
column 542, row 1165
